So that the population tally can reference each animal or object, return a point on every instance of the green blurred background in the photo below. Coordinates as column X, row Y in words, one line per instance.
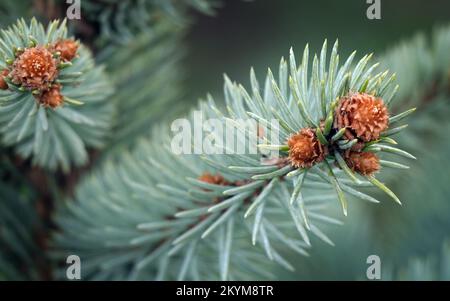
column 258, row 33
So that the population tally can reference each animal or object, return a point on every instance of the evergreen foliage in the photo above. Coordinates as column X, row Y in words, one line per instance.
column 174, row 225
column 423, row 186
column 54, row 137
column 142, row 212
column 257, row 193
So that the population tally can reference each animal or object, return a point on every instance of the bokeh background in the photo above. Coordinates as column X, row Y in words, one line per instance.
column 258, row 33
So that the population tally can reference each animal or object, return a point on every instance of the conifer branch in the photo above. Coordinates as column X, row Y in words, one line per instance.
column 53, row 102
column 173, row 213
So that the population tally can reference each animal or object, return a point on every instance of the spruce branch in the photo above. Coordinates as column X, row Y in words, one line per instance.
column 330, row 121
column 141, row 232
column 53, row 103
column 422, row 74
column 191, row 197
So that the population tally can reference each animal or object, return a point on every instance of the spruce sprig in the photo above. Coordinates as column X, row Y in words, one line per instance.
column 54, row 103
column 171, row 214
column 308, row 106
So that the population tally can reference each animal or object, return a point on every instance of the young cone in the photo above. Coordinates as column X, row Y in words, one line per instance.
column 216, row 179
column 304, row 149
column 365, row 163
column 35, row 68
column 51, row 98
column 67, row 49
column 365, row 116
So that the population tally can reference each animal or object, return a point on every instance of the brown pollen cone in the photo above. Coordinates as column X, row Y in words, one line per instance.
column 52, row 97
column 67, row 48
column 3, row 84
column 365, row 116
column 365, row 163
column 304, row 149
column 216, row 179
column 35, row 68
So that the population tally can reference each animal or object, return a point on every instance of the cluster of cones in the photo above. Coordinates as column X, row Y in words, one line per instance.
column 363, row 116
column 36, row 69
